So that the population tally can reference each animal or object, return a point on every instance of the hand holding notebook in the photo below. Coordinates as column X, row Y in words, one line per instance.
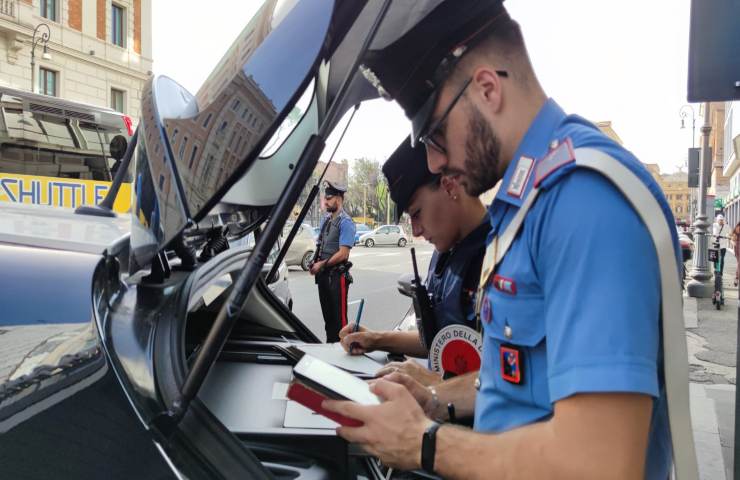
column 315, row 381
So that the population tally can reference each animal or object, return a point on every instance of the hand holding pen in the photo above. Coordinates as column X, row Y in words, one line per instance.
column 353, row 345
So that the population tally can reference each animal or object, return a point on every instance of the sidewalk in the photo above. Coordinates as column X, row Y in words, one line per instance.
column 711, row 337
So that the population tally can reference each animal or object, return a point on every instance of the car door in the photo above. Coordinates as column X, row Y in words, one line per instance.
column 394, row 235
column 381, row 238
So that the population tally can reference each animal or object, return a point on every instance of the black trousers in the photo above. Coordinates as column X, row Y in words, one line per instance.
column 333, row 289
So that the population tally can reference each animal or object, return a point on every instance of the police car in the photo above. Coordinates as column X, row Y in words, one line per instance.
column 151, row 350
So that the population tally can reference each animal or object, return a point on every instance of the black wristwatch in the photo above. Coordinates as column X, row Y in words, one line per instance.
column 429, row 447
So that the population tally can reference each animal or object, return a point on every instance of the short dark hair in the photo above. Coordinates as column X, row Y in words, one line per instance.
column 504, row 39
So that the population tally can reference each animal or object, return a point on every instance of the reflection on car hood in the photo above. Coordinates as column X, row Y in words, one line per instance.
column 59, row 228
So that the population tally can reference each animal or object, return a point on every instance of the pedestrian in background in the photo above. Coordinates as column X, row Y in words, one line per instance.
column 718, row 230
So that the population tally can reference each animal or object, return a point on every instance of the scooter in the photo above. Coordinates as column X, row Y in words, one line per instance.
column 718, row 297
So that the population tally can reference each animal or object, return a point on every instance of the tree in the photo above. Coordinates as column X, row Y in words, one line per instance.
column 362, row 192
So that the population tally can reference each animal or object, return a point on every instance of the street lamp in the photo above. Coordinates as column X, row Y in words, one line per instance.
column 683, row 113
column 700, row 286
column 44, row 39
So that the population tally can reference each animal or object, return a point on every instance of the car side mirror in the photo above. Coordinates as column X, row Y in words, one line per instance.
column 406, row 284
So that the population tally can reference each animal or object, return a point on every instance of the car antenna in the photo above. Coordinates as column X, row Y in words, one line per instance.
column 230, row 310
column 105, row 208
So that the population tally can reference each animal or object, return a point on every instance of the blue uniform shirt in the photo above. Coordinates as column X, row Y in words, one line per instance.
column 578, row 293
column 453, row 277
column 346, row 229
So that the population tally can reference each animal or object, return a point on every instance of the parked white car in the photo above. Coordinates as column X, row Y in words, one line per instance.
column 385, row 235
column 301, row 249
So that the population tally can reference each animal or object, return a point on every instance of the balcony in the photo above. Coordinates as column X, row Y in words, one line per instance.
column 8, row 8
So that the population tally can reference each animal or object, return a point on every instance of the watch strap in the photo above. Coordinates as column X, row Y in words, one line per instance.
column 429, row 447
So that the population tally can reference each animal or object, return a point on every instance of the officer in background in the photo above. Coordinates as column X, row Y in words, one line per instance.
column 574, row 381
column 331, row 262
column 457, row 225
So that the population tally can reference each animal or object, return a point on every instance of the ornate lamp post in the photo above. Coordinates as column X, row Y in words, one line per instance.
column 683, row 113
column 700, row 285
column 43, row 38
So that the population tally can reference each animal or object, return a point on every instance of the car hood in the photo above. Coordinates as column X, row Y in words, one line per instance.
column 60, row 228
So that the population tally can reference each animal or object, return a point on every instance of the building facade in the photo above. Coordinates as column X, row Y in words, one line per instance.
column 99, row 52
column 731, row 160
column 676, row 190
column 720, row 183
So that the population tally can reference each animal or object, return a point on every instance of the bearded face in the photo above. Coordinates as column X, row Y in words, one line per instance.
column 482, row 155
column 331, row 204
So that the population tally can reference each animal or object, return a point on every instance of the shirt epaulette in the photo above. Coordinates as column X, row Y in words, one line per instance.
column 559, row 161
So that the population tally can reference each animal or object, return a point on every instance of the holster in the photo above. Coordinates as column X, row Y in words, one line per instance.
column 341, row 269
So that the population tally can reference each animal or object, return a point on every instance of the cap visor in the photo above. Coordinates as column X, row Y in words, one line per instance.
column 422, row 118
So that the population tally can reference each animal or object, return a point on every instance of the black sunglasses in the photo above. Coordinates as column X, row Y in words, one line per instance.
column 435, row 128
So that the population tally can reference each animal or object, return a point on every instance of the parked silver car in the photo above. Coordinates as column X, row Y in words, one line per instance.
column 385, row 235
column 302, row 248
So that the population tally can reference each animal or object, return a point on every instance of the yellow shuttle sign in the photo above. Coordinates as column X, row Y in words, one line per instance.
column 60, row 192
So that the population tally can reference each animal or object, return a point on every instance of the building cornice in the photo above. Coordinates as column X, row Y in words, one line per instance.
column 26, row 33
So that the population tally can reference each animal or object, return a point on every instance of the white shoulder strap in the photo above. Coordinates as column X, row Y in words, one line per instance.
column 675, row 354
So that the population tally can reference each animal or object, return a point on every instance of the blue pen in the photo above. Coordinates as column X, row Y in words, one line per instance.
column 357, row 324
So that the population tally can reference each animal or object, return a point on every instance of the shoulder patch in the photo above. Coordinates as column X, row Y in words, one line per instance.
column 561, row 155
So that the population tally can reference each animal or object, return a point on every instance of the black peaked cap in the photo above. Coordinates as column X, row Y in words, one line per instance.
column 406, row 170
column 411, row 68
column 333, row 188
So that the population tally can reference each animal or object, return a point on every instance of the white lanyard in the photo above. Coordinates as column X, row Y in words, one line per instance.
column 675, row 353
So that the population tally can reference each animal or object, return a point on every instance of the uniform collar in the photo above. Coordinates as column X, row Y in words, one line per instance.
column 533, row 146
column 475, row 238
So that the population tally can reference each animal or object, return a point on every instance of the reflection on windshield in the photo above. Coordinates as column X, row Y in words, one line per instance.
column 288, row 125
column 195, row 145
column 240, row 101
column 32, row 353
column 209, row 149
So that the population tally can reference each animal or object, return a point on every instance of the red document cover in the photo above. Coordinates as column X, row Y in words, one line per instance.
column 312, row 399
column 315, row 381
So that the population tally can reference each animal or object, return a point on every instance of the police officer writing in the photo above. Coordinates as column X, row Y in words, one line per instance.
column 457, row 225
column 331, row 263
column 573, row 379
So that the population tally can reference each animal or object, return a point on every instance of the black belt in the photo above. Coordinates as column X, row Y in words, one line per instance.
column 338, row 268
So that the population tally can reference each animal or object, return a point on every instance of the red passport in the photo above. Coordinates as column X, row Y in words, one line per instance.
column 315, row 381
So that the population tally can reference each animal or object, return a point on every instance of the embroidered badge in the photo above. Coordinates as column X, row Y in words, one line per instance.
column 511, row 364
column 503, row 284
column 521, row 176
column 559, row 156
column 455, row 350
column 485, row 310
